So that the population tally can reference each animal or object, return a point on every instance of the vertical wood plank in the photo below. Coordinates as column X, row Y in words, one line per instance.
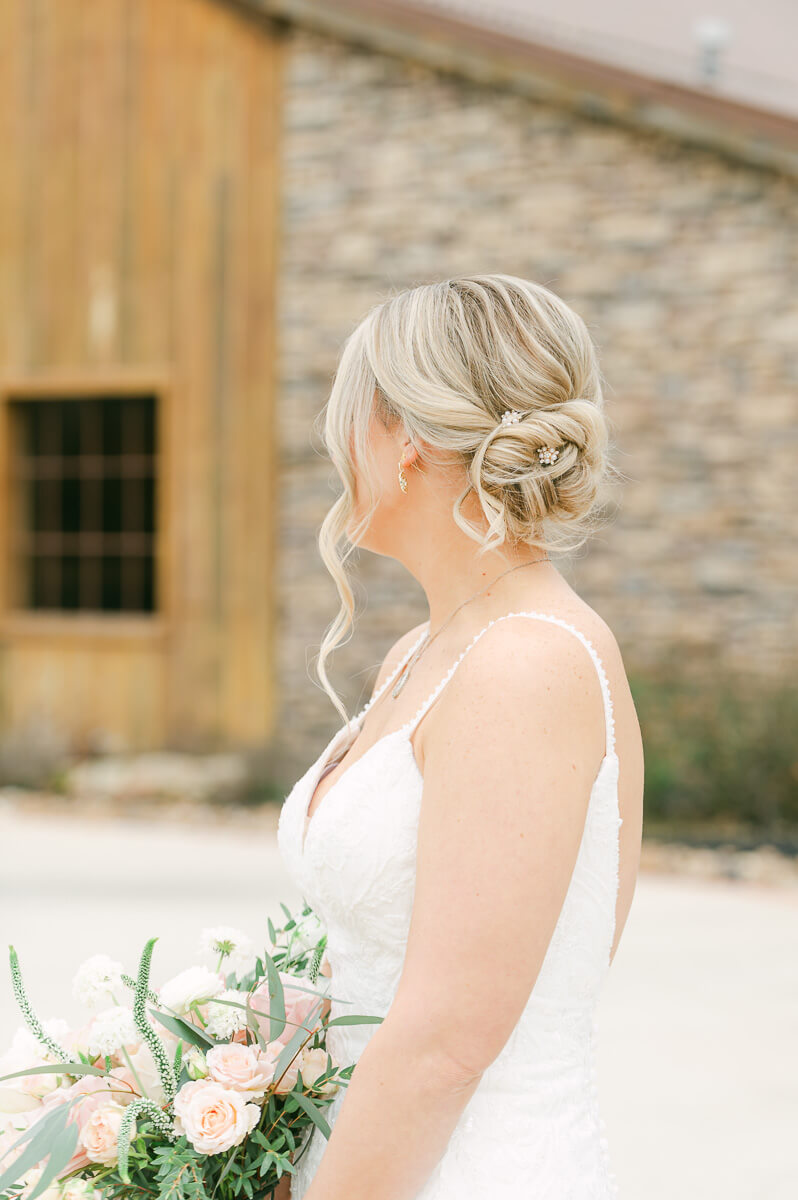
column 15, row 138
column 101, row 160
column 54, row 204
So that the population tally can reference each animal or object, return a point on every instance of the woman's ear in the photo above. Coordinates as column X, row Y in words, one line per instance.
column 409, row 452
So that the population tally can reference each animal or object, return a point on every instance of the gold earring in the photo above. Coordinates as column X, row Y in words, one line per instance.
column 402, row 477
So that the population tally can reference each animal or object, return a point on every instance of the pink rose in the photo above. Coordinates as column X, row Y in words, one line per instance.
column 298, row 1007
column 100, row 1133
column 212, row 1117
column 244, row 1068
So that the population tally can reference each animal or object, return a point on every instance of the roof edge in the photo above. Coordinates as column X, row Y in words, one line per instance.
column 595, row 89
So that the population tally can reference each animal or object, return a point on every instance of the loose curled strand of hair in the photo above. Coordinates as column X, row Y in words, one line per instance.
column 447, row 359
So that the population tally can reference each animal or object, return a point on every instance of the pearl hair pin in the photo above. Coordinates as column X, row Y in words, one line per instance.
column 546, row 454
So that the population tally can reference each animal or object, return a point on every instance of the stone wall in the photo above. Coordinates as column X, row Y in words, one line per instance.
column 684, row 265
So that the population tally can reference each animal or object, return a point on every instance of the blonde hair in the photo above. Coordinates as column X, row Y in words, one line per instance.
column 447, row 359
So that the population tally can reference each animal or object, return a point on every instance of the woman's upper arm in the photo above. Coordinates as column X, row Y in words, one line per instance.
column 507, row 779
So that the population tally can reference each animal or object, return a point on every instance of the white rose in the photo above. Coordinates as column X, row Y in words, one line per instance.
column 212, row 1117
column 313, row 1063
column 189, row 987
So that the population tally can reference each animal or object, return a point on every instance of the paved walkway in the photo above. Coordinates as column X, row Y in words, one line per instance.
column 697, row 1054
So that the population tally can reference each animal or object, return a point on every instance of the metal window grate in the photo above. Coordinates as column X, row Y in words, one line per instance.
column 83, row 473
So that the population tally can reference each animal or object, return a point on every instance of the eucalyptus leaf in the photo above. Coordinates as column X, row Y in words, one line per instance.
column 40, row 1137
column 355, row 1020
column 61, row 1151
column 252, row 1023
column 66, row 1068
column 276, row 999
column 185, row 1030
column 313, row 1112
column 293, row 1046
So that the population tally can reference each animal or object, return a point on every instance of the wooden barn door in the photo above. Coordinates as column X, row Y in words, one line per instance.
column 138, row 225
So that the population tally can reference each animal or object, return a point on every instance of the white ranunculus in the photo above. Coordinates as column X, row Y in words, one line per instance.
column 97, row 979
column 190, row 986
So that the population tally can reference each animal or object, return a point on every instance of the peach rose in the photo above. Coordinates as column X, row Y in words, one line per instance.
column 95, row 1092
column 244, row 1068
column 213, row 1118
column 100, row 1133
column 311, row 1063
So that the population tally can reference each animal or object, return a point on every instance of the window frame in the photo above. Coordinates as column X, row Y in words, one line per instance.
column 88, row 623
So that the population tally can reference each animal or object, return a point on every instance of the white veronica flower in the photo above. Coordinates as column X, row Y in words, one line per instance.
column 190, row 986
column 97, row 979
column 237, row 948
column 223, row 1020
column 111, row 1030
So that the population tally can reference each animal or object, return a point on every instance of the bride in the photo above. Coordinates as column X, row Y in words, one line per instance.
column 471, row 839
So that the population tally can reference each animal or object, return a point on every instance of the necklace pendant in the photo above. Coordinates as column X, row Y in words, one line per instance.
column 397, row 687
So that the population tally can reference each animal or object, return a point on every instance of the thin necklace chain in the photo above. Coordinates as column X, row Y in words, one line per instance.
column 404, row 674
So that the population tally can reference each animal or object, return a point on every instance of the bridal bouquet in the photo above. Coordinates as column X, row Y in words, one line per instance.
column 202, row 1089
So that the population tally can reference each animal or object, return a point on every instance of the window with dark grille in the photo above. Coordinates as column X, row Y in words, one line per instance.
column 83, row 478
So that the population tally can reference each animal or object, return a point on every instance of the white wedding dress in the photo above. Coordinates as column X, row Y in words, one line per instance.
column 532, row 1129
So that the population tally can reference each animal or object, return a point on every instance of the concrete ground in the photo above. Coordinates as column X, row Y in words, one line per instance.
column 698, row 1020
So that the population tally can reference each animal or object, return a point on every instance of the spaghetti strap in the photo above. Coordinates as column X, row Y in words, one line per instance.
column 356, row 720
column 609, row 718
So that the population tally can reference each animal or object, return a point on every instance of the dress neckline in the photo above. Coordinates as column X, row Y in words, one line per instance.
column 326, row 755
column 404, row 732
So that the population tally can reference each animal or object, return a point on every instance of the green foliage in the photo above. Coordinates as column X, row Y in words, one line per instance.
column 155, row 1161
column 31, row 1020
column 154, row 1043
column 719, row 747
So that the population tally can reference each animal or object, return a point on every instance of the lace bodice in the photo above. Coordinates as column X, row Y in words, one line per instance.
column 532, row 1128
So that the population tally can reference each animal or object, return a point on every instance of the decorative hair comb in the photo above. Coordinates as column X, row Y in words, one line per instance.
column 546, row 454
